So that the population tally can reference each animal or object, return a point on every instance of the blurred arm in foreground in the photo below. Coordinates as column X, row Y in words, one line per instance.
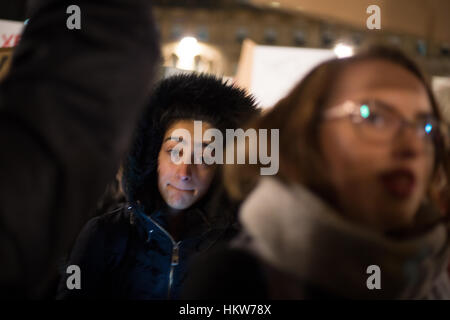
column 67, row 112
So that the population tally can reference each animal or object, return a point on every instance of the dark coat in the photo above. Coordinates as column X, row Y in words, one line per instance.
column 237, row 274
column 126, row 254
column 68, row 109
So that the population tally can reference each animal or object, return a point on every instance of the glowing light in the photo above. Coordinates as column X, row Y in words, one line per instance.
column 365, row 111
column 186, row 51
column 428, row 128
column 343, row 50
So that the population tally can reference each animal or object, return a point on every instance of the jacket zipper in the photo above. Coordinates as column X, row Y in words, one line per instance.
column 174, row 262
column 175, row 256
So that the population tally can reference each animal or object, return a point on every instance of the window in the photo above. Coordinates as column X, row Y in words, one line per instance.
column 241, row 34
column 445, row 50
column 202, row 33
column 421, row 48
column 270, row 36
column 299, row 38
column 176, row 32
column 327, row 38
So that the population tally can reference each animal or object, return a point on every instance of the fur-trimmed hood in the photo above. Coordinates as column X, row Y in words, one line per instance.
column 185, row 96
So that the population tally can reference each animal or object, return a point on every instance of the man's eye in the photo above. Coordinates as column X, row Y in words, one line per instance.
column 175, row 152
column 200, row 159
column 207, row 160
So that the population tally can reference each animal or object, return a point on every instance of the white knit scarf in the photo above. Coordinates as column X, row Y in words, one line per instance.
column 295, row 231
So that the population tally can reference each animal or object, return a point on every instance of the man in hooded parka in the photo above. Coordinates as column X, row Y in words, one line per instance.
column 141, row 250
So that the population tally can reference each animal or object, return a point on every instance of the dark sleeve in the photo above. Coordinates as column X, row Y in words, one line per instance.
column 225, row 274
column 89, row 255
column 67, row 112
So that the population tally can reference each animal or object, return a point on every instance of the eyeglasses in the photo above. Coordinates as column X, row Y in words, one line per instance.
column 378, row 122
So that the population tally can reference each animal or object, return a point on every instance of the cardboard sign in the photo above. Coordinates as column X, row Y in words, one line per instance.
column 5, row 61
column 270, row 72
column 441, row 88
column 10, row 32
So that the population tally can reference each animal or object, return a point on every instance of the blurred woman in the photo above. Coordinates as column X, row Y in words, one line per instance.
column 351, row 212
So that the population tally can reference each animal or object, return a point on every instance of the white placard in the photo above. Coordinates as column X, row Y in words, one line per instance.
column 276, row 70
column 10, row 33
column 441, row 87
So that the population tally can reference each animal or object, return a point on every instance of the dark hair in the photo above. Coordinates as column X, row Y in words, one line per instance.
column 186, row 96
column 299, row 115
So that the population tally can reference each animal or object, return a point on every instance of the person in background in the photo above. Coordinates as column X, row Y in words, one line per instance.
column 175, row 210
column 113, row 195
column 64, row 129
column 351, row 213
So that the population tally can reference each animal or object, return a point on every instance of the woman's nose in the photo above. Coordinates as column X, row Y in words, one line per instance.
column 409, row 144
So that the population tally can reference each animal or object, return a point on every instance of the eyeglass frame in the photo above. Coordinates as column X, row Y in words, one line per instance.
column 351, row 108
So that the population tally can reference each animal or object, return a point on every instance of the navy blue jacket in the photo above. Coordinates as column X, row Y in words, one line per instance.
column 126, row 254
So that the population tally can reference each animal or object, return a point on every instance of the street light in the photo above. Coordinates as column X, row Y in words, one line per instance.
column 186, row 51
column 343, row 50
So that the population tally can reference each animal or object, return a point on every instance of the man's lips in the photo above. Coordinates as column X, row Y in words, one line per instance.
column 180, row 189
column 400, row 183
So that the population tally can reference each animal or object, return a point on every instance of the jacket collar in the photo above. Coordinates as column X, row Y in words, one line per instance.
column 197, row 223
column 296, row 232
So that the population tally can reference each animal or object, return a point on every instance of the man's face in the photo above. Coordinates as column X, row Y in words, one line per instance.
column 181, row 185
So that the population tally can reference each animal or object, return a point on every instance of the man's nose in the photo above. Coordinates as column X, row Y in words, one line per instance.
column 184, row 172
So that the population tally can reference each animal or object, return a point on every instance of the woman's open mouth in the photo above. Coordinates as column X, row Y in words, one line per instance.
column 399, row 183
